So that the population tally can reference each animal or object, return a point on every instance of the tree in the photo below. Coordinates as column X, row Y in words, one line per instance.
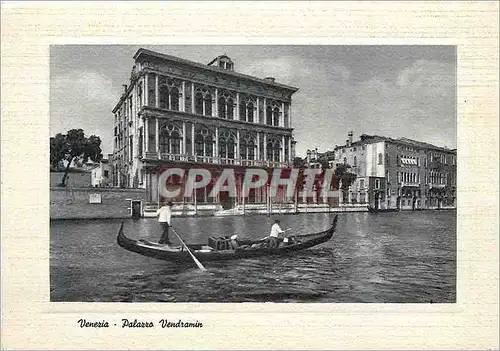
column 343, row 175
column 298, row 162
column 71, row 147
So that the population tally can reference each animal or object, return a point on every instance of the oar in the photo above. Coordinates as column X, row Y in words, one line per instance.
column 268, row 235
column 198, row 263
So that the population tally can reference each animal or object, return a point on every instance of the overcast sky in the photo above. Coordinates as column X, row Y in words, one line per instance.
column 395, row 91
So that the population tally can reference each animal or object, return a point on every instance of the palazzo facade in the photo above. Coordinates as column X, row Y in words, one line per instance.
column 398, row 173
column 179, row 113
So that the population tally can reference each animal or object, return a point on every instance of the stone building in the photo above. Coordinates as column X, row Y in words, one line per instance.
column 399, row 173
column 179, row 113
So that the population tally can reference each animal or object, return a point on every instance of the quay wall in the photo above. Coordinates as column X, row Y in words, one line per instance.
column 100, row 203
column 75, row 203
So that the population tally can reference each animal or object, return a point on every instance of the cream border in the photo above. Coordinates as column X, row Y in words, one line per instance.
column 30, row 321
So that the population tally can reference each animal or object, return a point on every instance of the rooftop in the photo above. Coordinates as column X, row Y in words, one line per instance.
column 369, row 139
column 212, row 68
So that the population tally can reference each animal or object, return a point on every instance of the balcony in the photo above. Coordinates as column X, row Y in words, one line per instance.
column 410, row 184
column 437, row 186
column 153, row 156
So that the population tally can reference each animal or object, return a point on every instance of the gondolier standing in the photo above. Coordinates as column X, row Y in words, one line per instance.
column 275, row 232
column 164, row 218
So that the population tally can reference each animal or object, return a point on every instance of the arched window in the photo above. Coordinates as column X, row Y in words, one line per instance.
column 204, row 143
column 345, row 161
column 243, row 112
column 198, row 103
column 273, row 150
column 230, row 109
column 247, row 148
column 222, row 108
column 276, row 116
column 380, row 158
column 269, row 116
column 208, row 105
column 355, row 162
column 170, row 140
column 164, row 97
column 227, row 143
column 250, row 112
column 174, row 99
column 225, row 104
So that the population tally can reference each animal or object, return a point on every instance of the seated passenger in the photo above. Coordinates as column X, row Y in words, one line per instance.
column 234, row 242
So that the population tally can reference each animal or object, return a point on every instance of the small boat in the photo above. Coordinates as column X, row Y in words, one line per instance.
column 216, row 252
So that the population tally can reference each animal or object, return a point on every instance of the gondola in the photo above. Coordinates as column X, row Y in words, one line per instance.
column 245, row 248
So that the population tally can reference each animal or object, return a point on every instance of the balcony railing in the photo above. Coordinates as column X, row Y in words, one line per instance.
column 213, row 160
column 410, row 184
column 437, row 185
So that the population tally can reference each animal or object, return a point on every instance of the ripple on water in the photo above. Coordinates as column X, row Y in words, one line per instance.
column 371, row 258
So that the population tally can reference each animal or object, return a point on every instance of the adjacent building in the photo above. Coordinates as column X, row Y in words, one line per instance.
column 179, row 113
column 398, row 173
column 100, row 175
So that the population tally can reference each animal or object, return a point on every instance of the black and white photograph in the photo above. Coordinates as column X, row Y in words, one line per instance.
column 253, row 173
column 244, row 175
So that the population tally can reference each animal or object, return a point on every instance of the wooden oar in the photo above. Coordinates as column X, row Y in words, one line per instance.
column 268, row 235
column 198, row 263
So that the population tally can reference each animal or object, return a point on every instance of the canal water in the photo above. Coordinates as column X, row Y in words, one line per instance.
column 385, row 257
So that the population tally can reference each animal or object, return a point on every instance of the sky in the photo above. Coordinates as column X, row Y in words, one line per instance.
column 394, row 91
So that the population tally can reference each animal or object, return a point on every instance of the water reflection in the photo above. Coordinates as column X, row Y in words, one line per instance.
column 385, row 257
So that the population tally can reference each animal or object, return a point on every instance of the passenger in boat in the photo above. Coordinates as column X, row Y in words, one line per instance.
column 275, row 232
column 234, row 242
column 164, row 218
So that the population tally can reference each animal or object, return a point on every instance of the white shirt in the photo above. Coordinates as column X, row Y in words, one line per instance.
column 164, row 214
column 276, row 230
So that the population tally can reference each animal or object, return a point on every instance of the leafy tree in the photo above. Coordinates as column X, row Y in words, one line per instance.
column 73, row 146
column 342, row 174
column 298, row 162
column 344, row 178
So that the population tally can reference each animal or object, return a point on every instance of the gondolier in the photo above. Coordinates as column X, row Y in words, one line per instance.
column 275, row 232
column 164, row 219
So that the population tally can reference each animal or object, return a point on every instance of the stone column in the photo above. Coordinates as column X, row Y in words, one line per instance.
column 192, row 99
column 157, row 137
column 265, row 147
column 258, row 115
column 237, row 114
column 290, row 149
column 258, row 146
column 192, row 139
column 216, row 112
column 183, row 101
column 157, row 91
column 146, row 133
column 282, row 119
column 237, row 153
column 282, row 159
column 184, row 139
column 146, row 89
column 265, row 112
column 290, row 115
column 216, row 151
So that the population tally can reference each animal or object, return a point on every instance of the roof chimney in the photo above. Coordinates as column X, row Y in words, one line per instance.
column 124, row 88
column 350, row 134
column 270, row 79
